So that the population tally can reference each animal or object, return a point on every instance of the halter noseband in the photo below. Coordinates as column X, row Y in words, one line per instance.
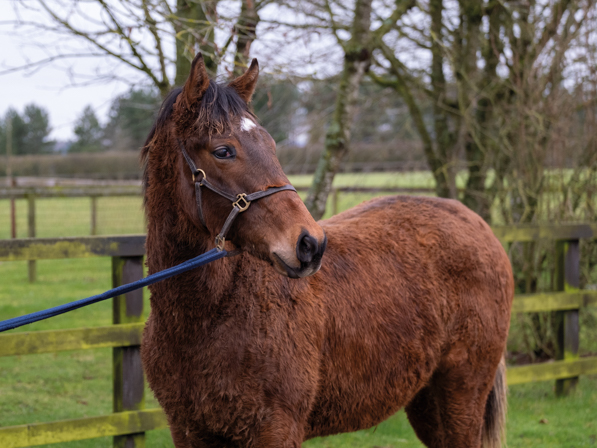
column 240, row 202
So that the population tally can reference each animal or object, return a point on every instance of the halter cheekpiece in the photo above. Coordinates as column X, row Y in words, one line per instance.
column 240, row 202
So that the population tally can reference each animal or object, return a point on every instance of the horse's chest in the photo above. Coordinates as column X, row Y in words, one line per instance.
column 227, row 375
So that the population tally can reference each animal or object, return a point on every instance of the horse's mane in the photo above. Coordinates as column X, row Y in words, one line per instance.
column 218, row 105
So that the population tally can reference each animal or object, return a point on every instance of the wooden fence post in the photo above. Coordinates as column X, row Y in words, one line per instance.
column 335, row 195
column 13, row 218
column 129, row 391
column 93, row 220
column 31, row 234
column 567, row 324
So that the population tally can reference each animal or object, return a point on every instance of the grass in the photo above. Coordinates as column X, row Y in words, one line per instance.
column 76, row 384
column 57, row 217
column 124, row 215
column 536, row 418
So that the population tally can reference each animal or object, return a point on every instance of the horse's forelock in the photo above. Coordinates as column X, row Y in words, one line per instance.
column 218, row 106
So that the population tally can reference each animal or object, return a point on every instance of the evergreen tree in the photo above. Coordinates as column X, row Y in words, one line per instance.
column 18, row 131
column 131, row 118
column 30, row 131
column 275, row 103
column 37, row 131
column 88, row 132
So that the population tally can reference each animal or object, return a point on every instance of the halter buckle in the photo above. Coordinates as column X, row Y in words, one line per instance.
column 241, row 197
column 199, row 171
column 220, row 241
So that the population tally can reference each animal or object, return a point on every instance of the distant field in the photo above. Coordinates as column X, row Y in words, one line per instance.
column 75, row 384
column 72, row 217
column 124, row 215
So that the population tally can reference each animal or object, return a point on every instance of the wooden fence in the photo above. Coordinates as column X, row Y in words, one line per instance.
column 93, row 192
column 130, row 420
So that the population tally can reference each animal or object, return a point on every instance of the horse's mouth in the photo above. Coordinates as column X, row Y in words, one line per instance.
column 305, row 270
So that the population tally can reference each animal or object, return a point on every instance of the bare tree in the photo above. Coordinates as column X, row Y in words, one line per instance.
column 246, row 32
column 533, row 97
column 132, row 34
column 470, row 62
column 357, row 59
column 154, row 40
column 194, row 26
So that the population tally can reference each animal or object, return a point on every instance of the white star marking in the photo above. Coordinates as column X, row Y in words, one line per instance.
column 247, row 124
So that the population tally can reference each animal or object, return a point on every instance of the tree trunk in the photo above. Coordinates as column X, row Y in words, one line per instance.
column 194, row 26
column 445, row 178
column 245, row 28
column 357, row 58
column 477, row 143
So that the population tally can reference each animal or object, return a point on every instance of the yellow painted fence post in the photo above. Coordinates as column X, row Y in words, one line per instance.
column 32, row 264
column 129, row 391
column 567, row 324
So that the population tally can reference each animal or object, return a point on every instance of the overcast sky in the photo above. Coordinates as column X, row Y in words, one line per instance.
column 50, row 86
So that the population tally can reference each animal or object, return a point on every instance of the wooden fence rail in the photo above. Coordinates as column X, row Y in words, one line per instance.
column 93, row 192
column 130, row 420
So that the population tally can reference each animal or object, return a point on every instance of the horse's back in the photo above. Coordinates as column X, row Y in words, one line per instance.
column 441, row 233
column 407, row 280
column 426, row 239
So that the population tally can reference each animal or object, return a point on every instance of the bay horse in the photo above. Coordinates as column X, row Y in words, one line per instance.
column 312, row 328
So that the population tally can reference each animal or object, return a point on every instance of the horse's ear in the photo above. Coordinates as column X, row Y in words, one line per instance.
column 197, row 82
column 245, row 83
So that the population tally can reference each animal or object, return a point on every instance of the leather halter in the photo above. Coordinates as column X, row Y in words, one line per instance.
column 240, row 202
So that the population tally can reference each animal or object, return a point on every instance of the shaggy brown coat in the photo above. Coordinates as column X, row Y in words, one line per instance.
column 410, row 308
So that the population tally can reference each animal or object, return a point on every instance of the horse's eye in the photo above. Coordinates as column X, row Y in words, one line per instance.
column 224, row 152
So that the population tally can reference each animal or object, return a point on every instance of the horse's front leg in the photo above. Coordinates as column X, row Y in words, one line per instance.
column 280, row 430
column 182, row 439
column 179, row 438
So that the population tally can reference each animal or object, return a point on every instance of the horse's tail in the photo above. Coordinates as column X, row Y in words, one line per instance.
column 494, row 424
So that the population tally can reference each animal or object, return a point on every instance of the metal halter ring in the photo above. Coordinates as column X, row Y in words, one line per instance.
column 241, row 197
column 220, row 241
column 197, row 172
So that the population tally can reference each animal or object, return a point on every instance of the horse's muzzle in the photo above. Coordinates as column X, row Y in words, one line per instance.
column 309, row 252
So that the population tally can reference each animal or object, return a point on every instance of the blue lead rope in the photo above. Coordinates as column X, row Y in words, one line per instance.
column 201, row 260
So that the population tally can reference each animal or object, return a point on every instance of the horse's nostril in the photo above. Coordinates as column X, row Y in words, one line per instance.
column 306, row 248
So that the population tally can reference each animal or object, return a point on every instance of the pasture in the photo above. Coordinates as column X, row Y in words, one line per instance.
column 75, row 384
column 123, row 215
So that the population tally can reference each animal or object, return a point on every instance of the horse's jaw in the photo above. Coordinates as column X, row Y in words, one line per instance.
column 303, row 270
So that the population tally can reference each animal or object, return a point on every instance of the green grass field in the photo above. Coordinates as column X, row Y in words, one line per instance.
column 48, row 387
column 124, row 215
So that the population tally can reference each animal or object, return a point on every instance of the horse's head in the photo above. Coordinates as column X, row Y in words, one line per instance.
column 224, row 140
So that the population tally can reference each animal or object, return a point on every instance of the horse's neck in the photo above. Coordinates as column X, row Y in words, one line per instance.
column 200, row 289
column 172, row 240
